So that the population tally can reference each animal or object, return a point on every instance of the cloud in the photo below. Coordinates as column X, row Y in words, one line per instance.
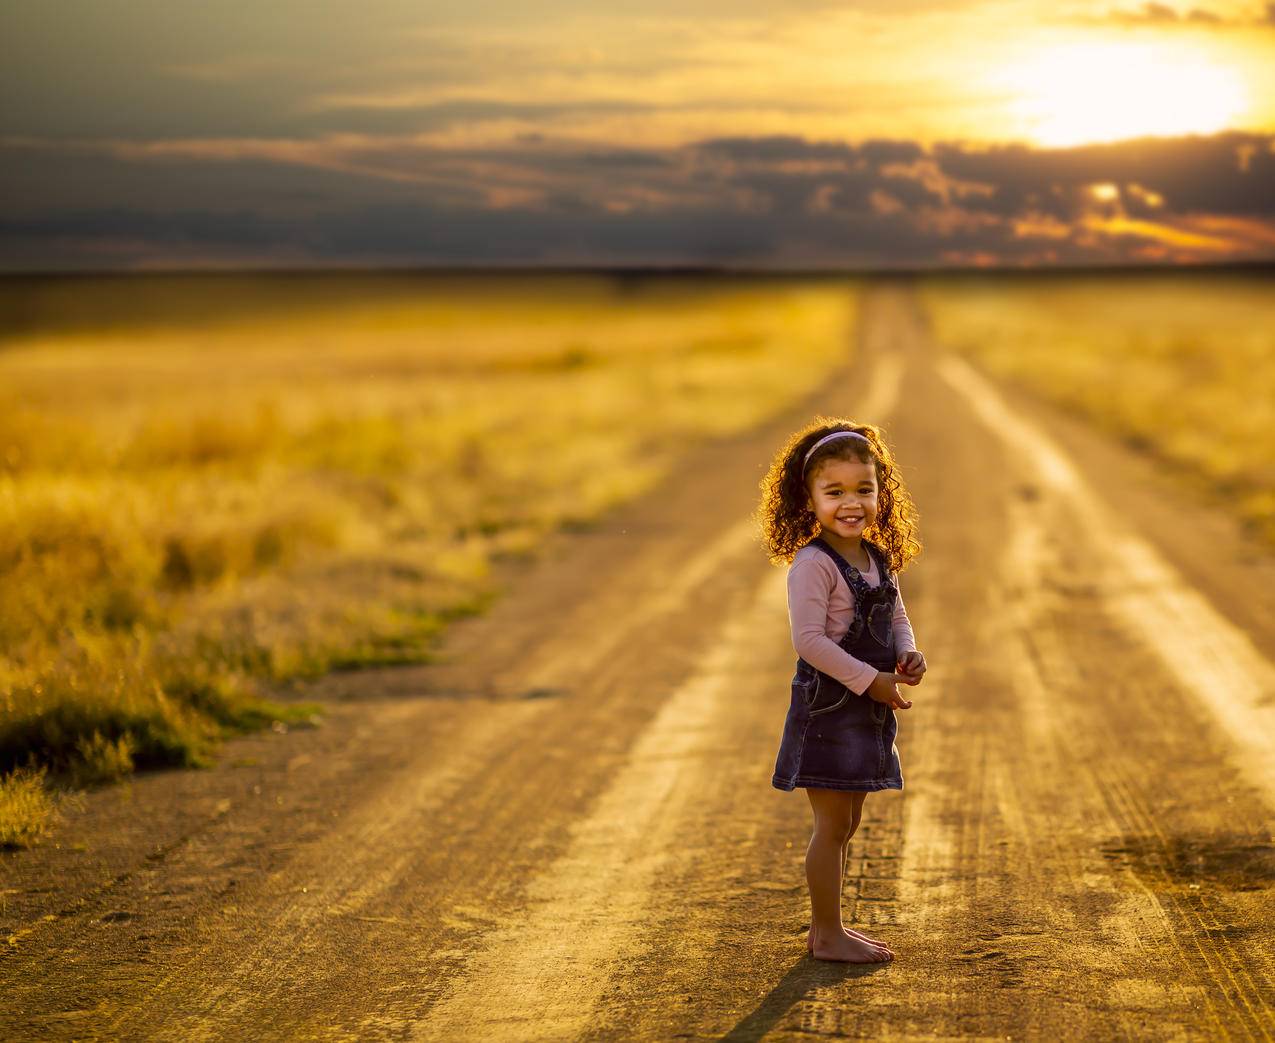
column 1162, row 14
column 1158, row 14
column 769, row 202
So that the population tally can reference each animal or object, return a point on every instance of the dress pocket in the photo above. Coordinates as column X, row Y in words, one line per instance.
column 805, row 688
column 805, row 683
column 880, row 622
column 829, row 695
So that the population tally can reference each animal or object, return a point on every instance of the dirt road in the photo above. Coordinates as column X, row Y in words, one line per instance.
column 567, row 830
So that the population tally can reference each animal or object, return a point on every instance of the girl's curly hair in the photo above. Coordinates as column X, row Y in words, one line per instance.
column 788, row 523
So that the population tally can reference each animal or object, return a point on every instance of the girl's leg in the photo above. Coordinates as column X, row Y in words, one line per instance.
column 845, row 854
column 834, row 813
column 856, row 815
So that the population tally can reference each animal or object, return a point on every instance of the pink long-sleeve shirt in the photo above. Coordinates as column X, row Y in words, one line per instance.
column 820, row 610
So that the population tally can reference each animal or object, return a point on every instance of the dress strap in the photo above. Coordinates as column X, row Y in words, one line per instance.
column 852, row 573
column 832, row 552
column 883, row 566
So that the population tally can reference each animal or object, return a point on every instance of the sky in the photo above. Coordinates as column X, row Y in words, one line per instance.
column 782, row 135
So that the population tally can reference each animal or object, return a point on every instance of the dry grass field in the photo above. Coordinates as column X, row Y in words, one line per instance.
column 1180, row 366
column 211, row 487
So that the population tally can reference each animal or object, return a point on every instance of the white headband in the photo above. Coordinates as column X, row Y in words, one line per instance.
column 829, row 438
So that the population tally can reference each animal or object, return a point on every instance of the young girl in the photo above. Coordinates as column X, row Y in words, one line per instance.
column 833, row 485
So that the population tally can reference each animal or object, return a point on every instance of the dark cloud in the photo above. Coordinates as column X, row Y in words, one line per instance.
column 880, row 151
column 774, row 148
column 622, row 159
column 778, row 201
column 181, row 228
column 1232, row 173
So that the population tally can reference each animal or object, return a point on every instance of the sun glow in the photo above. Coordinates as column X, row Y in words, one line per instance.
column 1096, row 92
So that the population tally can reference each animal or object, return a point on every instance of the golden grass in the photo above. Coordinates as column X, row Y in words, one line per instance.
column 1181, row 366
column 28, row 810
column 203, row 507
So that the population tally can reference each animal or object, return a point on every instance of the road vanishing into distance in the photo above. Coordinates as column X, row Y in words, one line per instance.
column 565, row 828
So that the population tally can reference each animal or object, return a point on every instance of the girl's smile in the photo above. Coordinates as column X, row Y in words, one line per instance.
column 843, row 495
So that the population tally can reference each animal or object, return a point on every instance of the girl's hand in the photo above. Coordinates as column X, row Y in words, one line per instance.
column 912, row 666
column 884, row 689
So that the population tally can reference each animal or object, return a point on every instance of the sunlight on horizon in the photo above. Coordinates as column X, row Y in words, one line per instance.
column 1089, row 93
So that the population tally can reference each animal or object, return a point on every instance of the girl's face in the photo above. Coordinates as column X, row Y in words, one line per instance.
column 843, row 495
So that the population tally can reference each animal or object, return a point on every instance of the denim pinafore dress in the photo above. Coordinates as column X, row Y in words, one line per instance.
column 833, row 738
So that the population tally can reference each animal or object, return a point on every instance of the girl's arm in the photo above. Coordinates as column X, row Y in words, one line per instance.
column 911, row 660
column 808, row 594
column 904, row 639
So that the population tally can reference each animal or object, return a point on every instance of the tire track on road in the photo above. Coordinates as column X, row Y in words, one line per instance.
column 544, row 975
column 1034, row 622
column 1156, row 605
column 363, row 857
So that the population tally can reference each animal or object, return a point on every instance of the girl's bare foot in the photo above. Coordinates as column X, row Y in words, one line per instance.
column 846, row 949
column 854, row 934
column 868, row 938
